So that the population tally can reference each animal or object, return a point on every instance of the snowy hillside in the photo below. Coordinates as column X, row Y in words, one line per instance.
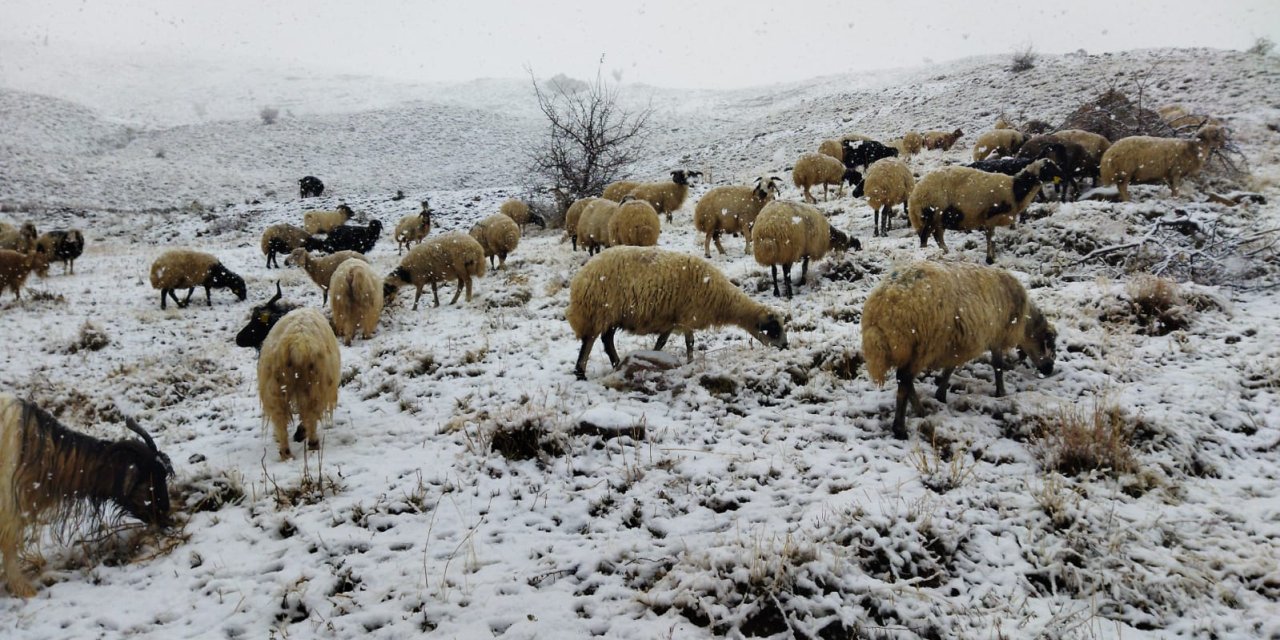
column 471, row 487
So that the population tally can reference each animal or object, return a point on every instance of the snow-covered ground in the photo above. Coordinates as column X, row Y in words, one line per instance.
column 765, row 498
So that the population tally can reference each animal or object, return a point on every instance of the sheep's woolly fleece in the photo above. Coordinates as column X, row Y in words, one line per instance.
column 766, row 498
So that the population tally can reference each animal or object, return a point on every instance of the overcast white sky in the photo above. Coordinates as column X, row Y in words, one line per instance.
column 676, row 43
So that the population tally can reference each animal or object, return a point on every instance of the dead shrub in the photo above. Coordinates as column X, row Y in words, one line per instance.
column 90, row 338
column 1158, row 306
column 1024, row 59
column 1074, row 441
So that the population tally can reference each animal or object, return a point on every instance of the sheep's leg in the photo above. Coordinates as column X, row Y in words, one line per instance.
column 997, row 363
column 164, row 293
column 804, row 271
column 773, row 271
column 208, row 297
column 662, row 340
column 1122, row 185
column 502, row 259
column 580, row 369
column 324, row 300
column 809, row 198
column 416, row 296
column 280, row 426
column 937, row 236
column 706, row 246
column 943, row 381
column 606, row 339
column 457, row 291
column 1173, row 181
column 906, row 391
column 688, row 344
column 10, row 538
column 786, row 278
column 435, row 293
column 991, row 245
column 719, row 247
column 886, row 218
column 186, row 301
column 468, row 279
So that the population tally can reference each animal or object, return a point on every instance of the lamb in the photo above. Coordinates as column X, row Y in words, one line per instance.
column 832, row 148
column 732, row 209
column 888, row 183
column 310, row 186
column 412, row 229
column 15, row 267
column 498, row 236
column 1002, row 142
column 666, row 197
column 941, row 139
column 593, row 226
column 790, row 232
column 187, row 269
column 444, row 257
column 1149, row 159
column 21, row 239
column 353, row 238
column 519, row 211
column 299, row 368
column 52, row 475
column 572, row 216
column 861, row 153
column 322, row 221
column 357, row 300
column 63, row 246
column 820, row 169
column 615, row 191
column 1072, row 158
column 930, row 315
column 284, row 238
column 635, row 223
column 647, row 290
column 964, row 199
column 321, row 269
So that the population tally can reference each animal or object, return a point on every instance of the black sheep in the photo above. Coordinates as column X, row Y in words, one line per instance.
column 861, row 153
column 353, row 238
column 1073, row 158
column 310, row 186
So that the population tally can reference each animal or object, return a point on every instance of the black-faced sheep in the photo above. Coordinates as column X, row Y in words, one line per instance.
column 888, row 183
column 15, row 267
column 310, row 187
column 789, row 232
column 646, row 290
column 320, row 269
column 814, row 169
column 412, row 229
column 62, row 246
column 349, row 237
column 615, row 191
column 283, row 239
column 187, row 269
column 518, row 210
column 357, row 300
column 929, row 315
column 1006, row 166
column 861, row 153
column 21, row 239
column 445, row 257
column 941, row 139
column 732, row 209
column 965, row 199
column 322, row 221
column 50, row 474
column 635, row 223
column 1150, row 159
column 1001, row 142
column 666, row 197
column 572, row 216
column 593, row 226
column 498, row 236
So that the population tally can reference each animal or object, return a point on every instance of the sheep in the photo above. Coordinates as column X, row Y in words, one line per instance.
column 498, row 236
column 412, row 229
column 635, row 223
column 52, row 475
column 21, row 239
column 1071, row 157
column 647, row 290
column 322, row 221
column 1149, row 159
column 353, row 238
column 1003, row 124
column 888, row 183
column 444, row 257
column 929, row 315
column 831, row 148
column 518, row 211
column 299, row 368
column 1003, row 142
column 1006, row 166
column 861, row 153
column 732, row 209
column 357, row 300
column 666, row 197
column 820, row 169
column 15, row 267
column 964, row 199
column 187, row 269
column 941, row 139
column 310, row 186
column 616, row 190
column 790, row 232
column 572, row 216
column 321, row 269
column 284, row 238
column 61, row 245
column 593, row 226
column 909, row 144
column 1093, row 143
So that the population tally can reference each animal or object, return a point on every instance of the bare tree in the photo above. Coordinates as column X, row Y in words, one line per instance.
column 591, row 138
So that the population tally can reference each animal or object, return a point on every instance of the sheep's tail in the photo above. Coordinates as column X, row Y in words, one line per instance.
column 766, row 249
column 877, row 353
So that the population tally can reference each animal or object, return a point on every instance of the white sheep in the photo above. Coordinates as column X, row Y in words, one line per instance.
column 282, row 239
column 412, row 229
column 519, row 211
column 571, row 218
column 733, row 209
column 941, row 139
column 647, row 290
column 298, row 373
column 21, row 238
column 1002, row 142
column 498, row 235
column 1150, row 159
column 814, row 169
column 325, row 221
column 615, row 191
column 320, row 269
column 666, row 197
column 454, row 255
column 888, row 183
column 831, row 148
column 634, row 223
column 930, row 315
column 593, row 226
column 356, row 300
column 187, row 269
column 15, row 267
column 789, row 232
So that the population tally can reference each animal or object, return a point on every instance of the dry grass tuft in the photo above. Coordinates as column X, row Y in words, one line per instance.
column 1074, row 442
column 1157, row 305
column 90, row 338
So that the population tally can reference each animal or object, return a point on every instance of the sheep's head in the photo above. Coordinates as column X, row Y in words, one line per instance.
column 143, row 491
column 768, row 329
column 1039, row 341
column 1213, row 136
column 346, row 211
column 1046, row 170
column 261, row 319
column 766, row 188
column 537, row 219
column 375, row 226
column 851, row 176
column 298, row 257
column 685, row 177
column 392, row 283
column 220, row 276
column 841, row 242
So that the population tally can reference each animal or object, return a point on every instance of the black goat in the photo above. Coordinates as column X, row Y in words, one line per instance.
column 261, row 319
column 861, row 153
column 310, row 186
column 353, row 238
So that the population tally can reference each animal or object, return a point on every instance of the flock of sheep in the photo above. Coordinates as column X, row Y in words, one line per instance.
column 922, row 316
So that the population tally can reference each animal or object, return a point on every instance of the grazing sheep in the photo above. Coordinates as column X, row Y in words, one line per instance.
column 187, row 269
column 861, row 153
column 1093, row 143
column 964, row 199
column 1003, row 124
column 790, row 232
column 941, row 139
column 1007, row 166
column 498, row 236
column 284, row 238
column 15, row 267
column 666, row 197
column 1072, row 158
column 21, row 239
column 353, row 238
column 647, row 290
column 888, row 183
column 912, row 143
column 593, row 226
column 442, row 258
column 1003, row 142
column 357, row 300
column 571, row 217
column 831, row 148
column 321, row 269
column 310, row 186
column 930, row 315
column 52, row 475
column 322, row 221
column 635, row 223
column 518, row 211
column 412, row 229
column 820, row 169
column 732, row 209
column 63, row 246
column 615, row 191
column 1149, row 159
column 261, row 319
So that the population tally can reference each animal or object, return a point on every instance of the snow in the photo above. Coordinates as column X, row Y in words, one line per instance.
column 458, row 492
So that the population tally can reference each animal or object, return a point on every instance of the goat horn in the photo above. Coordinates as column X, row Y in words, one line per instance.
column 277, row 297
column 132, row 425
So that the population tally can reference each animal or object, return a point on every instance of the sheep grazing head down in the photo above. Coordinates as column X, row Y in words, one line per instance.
column 144, row 489
column 220, row 276
column 1039, row 341
column 768, row 329
column 261, row 319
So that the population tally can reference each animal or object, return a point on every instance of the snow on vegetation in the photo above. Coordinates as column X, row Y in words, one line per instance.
column 469, row 486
